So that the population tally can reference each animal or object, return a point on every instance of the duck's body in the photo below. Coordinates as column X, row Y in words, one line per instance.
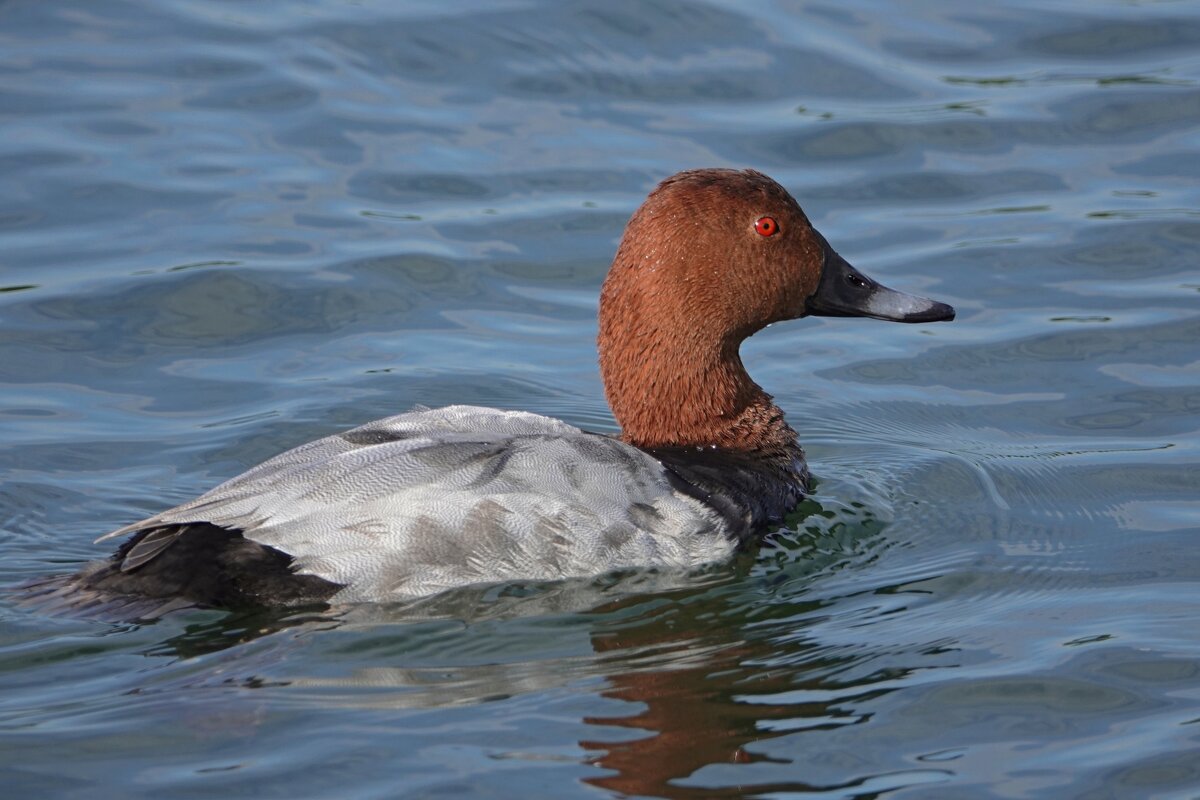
column 433, row 499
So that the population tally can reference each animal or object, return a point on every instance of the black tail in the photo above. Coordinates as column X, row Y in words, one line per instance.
column 203, row 566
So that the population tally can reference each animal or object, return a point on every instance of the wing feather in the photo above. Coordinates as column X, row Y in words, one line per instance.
column 432, row 499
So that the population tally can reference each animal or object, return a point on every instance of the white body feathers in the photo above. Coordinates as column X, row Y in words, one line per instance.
column 432, row 499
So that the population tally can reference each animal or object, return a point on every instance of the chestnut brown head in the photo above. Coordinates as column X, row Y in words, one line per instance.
column 710, row 257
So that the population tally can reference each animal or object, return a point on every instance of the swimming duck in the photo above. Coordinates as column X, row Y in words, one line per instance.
column 434, row 499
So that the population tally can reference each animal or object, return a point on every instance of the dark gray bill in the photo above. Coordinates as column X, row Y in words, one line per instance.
column 846, row 292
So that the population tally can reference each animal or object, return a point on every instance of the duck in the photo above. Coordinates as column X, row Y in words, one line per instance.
column 435, row 499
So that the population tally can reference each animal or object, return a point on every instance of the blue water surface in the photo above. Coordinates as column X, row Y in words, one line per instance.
column 230, row 227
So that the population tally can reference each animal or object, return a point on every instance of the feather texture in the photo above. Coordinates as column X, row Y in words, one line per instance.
column 432, row 499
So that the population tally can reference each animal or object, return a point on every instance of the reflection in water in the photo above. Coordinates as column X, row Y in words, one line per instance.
column 724, row 692
column 692, row 712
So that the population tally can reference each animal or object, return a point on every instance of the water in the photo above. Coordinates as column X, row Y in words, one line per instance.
column 228, row 228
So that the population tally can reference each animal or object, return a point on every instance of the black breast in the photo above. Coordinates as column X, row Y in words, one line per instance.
column 751, row 490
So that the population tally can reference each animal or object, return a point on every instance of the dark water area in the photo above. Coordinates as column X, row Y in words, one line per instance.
column 229, row 228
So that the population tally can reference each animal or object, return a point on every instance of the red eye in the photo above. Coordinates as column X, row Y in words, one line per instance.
column 766, row 226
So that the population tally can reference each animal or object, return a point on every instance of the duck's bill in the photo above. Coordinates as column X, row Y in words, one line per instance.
column 845, row 292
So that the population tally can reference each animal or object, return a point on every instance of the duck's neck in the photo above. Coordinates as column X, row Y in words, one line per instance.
column 670, row 393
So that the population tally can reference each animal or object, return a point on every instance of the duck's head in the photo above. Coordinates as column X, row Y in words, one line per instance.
column 712, row 256
column 736, row 248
